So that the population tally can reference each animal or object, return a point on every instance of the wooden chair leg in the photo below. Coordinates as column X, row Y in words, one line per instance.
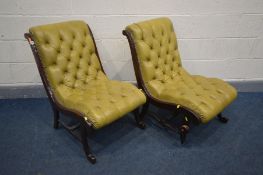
column 139, row 116
column 84, row 134
column 56, row 118
column 183, row 130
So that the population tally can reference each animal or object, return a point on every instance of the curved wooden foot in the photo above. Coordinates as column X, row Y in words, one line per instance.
column 222, row 119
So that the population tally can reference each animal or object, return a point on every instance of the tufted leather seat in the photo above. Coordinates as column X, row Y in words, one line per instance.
column 76, row 78
column 164, row 77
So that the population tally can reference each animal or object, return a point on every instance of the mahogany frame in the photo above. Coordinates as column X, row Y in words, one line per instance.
column 84, row 126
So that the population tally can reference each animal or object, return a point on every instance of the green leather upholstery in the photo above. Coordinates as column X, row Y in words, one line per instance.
column 166, row 79
column 72, row 67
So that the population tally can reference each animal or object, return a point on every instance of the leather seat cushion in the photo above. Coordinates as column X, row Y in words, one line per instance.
column 102, row 102
column 206, row 97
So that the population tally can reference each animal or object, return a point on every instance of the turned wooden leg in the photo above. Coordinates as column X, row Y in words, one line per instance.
column 183, row 130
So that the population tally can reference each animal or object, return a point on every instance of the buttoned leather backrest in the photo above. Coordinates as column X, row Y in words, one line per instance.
column 157, row 51
column 67, row 53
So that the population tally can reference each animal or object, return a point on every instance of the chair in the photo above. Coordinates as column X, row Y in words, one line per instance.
column 75, row 82
column 167, row 84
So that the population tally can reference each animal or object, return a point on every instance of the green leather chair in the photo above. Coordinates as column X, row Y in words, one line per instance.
column 75, row 82
column 159, row 72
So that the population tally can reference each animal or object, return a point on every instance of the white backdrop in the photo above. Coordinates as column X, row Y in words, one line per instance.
column 221, row 38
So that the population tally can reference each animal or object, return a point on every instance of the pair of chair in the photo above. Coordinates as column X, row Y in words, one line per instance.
column 76, row 84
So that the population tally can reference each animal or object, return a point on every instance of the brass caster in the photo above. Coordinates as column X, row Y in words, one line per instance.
column 91, row 158
column 222, row 119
